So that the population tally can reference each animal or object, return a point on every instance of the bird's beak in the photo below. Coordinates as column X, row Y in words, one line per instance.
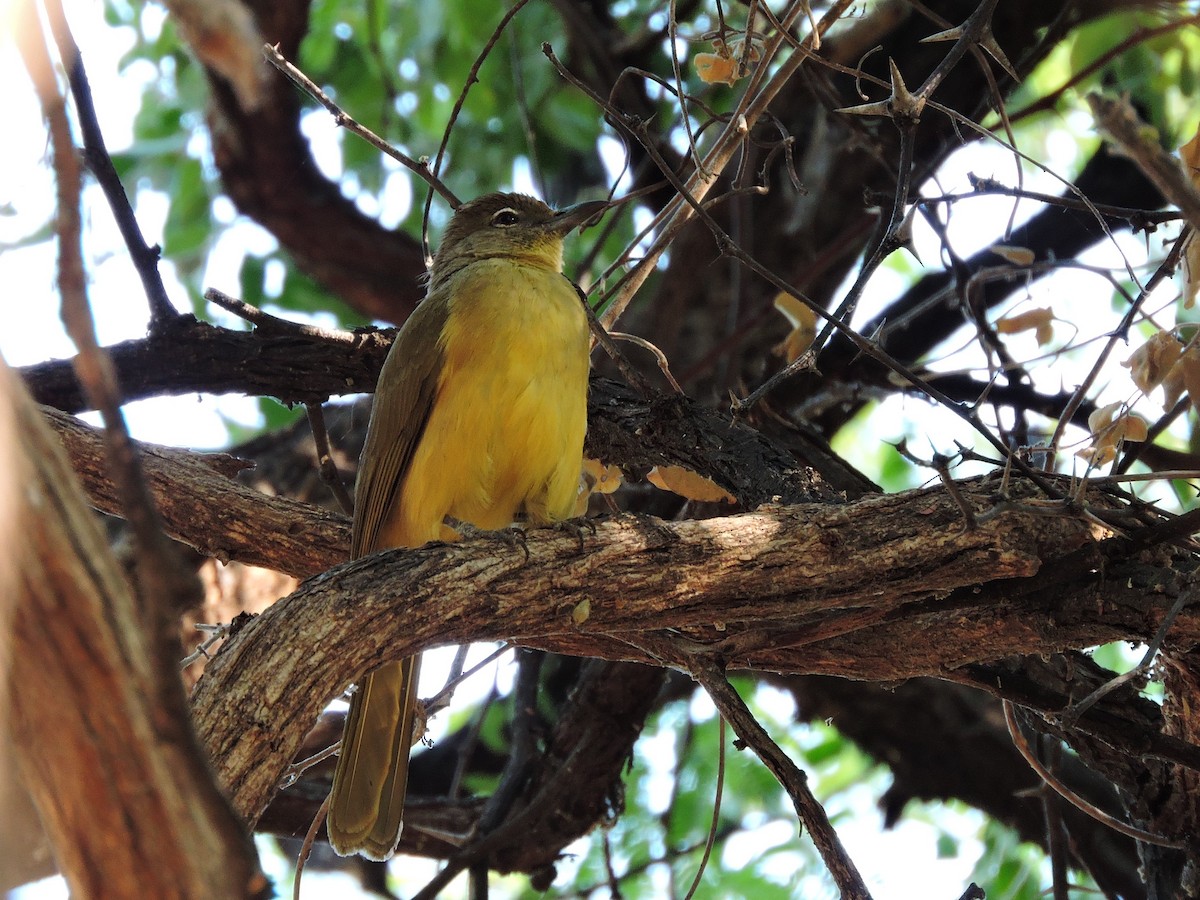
column 579, row 215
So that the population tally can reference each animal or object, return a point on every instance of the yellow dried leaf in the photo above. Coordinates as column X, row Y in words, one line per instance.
column 601, row 479
column 714, row 68
column 804, row 327
column 1191, row 270
column 1184, row 373
column 1041, row 320
column 1190, row 154
column 1101, row 418
column 596, row 478
column 581, row 612
column 1098, row 456
column 1173, row 385
column 689, row 484
column 1132, row 428
column 1152, row 361
column 1018, row 256
column 1190, row 364
column 1109, row 429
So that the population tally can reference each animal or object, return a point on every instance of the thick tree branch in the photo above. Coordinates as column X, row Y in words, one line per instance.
column 202, row 506
column 769, row 579
column 306, row 366
column 189, row 357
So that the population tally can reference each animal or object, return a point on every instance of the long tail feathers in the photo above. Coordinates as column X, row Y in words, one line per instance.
column 366, row 806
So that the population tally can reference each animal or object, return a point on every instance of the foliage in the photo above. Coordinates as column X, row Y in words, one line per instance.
column 400, row 68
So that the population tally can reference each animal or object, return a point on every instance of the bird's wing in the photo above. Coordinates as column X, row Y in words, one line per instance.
column 403, row 400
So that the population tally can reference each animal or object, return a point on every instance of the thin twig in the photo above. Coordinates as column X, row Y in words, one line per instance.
column 812, row 815
column 1152, row 649
column 659, row 356
column 293, row 772
column 983, row 187
column 471, row 79
column 602, row 337
column 326, row 467
column 344, row 120
column 716, row 816
column 441, row 699
column 269, row 324
column 215, row 633
column 144, row 257
column 310, row 838
column 1074, row 799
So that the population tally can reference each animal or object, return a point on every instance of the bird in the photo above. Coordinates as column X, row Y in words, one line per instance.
column 479, row 415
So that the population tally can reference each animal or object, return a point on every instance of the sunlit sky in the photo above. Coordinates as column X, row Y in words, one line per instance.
column 901, row 863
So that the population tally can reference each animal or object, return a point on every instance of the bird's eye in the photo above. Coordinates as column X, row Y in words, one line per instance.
column 505, row 218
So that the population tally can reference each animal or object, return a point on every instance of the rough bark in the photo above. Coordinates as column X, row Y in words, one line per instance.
column 770, row 579
column 118, row 779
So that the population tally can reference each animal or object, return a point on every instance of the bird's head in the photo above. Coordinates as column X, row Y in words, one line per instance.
column 512, row 226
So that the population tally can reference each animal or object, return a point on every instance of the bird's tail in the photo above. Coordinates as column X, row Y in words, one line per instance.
column 366, row 806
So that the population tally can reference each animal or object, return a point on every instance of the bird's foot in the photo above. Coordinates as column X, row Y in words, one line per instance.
column 513, row 535
column 577, row 527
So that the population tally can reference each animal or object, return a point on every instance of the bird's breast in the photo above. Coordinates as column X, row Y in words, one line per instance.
column 507, row 427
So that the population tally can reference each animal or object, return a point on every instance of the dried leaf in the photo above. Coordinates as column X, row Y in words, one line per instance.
column 1152, row 361
column 596, row 478
column 601, row 479
column 1109, row 429
column 689, row 484
column 1190, row 364
column 581, row 612
column 1018, row 256
column 804, row 327
column 1132, row 428
column 1041, row 320
column 714, row 68
column 1184, row 373
column 224, row 36
column 1103, row 417
column 1191, row 270
column 1190, row 154
column 724, row 65
column 1098, row 456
